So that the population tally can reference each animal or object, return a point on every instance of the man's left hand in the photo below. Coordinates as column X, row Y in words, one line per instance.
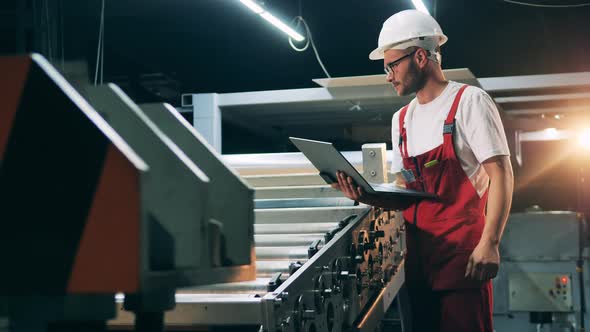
column 484, row 262
column 349, row 188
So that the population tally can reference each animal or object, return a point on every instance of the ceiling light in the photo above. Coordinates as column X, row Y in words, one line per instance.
column 256, row 8
column 420, row 6
column 253, row 6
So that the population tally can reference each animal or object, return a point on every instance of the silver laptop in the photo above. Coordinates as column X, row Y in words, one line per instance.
column 328, row 161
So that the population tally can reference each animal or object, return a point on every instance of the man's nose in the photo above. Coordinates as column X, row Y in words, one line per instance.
column 390, row 76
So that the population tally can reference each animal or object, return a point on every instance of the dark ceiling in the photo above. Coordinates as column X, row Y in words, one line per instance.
column 178, row 46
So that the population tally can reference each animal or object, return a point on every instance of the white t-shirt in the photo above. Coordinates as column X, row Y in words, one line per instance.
column 479, row 133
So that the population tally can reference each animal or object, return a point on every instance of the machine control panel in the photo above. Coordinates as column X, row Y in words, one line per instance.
column 336, row 287
column 533, row 291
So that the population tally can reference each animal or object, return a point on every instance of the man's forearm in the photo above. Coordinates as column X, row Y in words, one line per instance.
column 499, row 200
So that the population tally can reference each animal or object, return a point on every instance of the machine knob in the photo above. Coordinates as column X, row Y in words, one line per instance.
column 345, row 275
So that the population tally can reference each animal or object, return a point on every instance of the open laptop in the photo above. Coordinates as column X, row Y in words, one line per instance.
column 328, row 161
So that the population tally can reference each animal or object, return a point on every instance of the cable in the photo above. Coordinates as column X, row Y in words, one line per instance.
column 547, row 6
column 98, row 51
column 102, row 49
column 48, row 29
column 300, row 20
column 61, row 30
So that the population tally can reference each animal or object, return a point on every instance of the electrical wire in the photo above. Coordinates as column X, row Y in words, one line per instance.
column 48, row 29
column 102, row 51
column 100, row 45
column 309, row 41
column 61, row 30
column 547, row 6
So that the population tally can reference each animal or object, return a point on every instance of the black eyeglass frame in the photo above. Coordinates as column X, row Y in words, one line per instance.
column 389, row 68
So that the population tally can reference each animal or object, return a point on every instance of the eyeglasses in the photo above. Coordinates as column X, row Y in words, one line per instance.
column 390, row 67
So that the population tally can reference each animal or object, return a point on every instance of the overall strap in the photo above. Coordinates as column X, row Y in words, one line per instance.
column 403, row 138
column 449, row 126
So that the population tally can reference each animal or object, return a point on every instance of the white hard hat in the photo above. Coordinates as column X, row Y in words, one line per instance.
column 409, row 28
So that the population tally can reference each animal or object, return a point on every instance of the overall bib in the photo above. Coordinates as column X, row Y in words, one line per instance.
column 441, row 235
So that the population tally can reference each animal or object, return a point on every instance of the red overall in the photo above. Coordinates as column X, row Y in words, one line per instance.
column 441, row 235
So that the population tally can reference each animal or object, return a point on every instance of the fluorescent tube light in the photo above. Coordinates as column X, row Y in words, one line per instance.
column 420, row 6
column 256, row 8
column 253, row 6
column 285, row 28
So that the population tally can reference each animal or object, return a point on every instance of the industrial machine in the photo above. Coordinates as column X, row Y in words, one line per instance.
column 97, row 201
column 542, row 281
column 322, row 263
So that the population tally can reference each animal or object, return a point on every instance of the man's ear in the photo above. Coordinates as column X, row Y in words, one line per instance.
column 421, row 58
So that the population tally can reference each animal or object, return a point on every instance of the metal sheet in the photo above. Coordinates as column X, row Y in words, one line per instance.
column 284, row 180
column 297, row 191
column 304, row 202
column 292, row 228
column 291, row 240
column 257, row 286
column 284, row 253
column 281, row 163
column 557, row 229
column 203, row 311
column 305, row 215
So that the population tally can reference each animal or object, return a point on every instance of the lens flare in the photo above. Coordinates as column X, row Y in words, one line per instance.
column 584, row 139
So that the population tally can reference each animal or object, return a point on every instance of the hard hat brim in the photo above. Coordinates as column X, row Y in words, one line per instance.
column 379, row 52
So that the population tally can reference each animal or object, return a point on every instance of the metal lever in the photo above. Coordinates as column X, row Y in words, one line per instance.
column 274, row 282
column 313, row 248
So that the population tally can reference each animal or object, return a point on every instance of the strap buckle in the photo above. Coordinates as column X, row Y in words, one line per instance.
column 449, row 128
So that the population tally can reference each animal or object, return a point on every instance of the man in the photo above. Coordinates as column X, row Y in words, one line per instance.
column 450, row 141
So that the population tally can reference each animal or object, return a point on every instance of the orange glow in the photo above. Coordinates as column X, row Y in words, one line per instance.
column 564, row 280
column 584, row 139
column 526, row 179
